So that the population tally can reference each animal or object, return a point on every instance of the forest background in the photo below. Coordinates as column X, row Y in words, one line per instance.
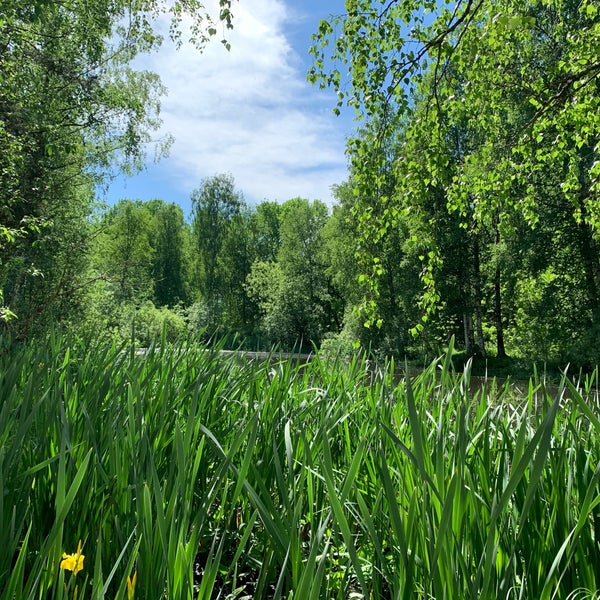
column 469, row 219
column 470, row 210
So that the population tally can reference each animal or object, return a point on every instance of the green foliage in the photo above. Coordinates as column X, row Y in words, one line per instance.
column 266, row 285
column 265, row 224
column 549, row 321
column 234, row 263
column 293, row 292
column 209, row 475
column 150, row 324
column 170, row 268
column 72, row 112
column 350, row 341
column 124, row 251
column 216, row 206
column 476, row 116
column 140, row 269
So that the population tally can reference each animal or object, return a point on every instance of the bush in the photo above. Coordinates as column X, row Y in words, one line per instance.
column 147, row 322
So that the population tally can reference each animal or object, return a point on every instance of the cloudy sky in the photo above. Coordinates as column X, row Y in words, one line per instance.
column 249, row 112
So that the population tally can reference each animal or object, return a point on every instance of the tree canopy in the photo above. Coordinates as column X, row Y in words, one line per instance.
column 72, row 112
column 492, row 104
column 470, row 211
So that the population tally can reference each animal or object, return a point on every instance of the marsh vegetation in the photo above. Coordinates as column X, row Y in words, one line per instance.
column 207, row 477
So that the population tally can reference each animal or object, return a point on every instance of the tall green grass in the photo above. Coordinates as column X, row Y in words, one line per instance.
column 213, row 477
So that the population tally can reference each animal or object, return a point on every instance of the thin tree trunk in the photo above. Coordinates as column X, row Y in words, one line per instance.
column 480, row 351
column 468, row 328
column 500, row 348
column 589, row 251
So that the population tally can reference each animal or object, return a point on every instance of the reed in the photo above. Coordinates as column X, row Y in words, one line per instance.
column 190, row 474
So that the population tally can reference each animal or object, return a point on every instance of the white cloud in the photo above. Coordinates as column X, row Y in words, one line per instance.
column 250, row 112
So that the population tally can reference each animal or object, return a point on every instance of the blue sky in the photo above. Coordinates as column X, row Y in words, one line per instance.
column 249, row 112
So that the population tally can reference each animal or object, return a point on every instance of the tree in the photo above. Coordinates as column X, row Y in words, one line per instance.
column 340, row 247
column 265, row 225
column 71, row 111
column 237, row 254
column 522, row 77
column 216, row 206
column 170, row 263
column 390, row 291
column 303, row 264
column 293, row 292
column 125, row 255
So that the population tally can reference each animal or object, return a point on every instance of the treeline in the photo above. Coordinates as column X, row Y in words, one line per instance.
column 471, row 209
column 292, row 275
column 480, row 156
column 261, row 275
column 298, row 274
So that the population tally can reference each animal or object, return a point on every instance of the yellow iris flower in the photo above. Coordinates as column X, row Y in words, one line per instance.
column 131, row 586
column 73, row 562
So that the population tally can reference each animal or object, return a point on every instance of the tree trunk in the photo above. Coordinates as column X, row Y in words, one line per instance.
column 468, row 328
column 480, row 350
column 589, row 252
column 500, row 349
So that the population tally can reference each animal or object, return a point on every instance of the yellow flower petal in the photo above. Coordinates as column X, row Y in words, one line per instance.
column 131, row 586
column 73, row 562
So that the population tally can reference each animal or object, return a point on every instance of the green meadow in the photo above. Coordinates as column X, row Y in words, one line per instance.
column 186, row 473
